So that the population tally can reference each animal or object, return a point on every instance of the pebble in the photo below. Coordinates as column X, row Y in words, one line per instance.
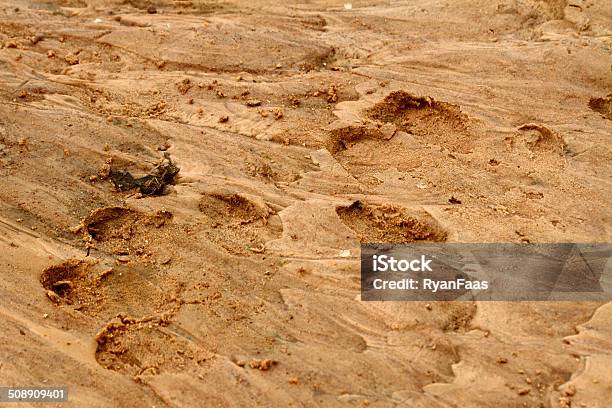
column 252, row 103
column 54, row 297
column 523, row 391
column 569, row 390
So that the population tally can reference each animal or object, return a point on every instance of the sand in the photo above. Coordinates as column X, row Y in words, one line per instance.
column 301, row 129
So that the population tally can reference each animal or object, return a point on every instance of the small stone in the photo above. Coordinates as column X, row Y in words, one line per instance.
column 123, row 258
column 262, row 365
column 523, row 391
column 36, row 39
column 502, row 360
column 54, row 297
column 223, row 119
column 569, row 390
column 565, row 402
column 151, row 10
column 104, row 274
column 71, row 59
column 388, row 130
column 252, row 103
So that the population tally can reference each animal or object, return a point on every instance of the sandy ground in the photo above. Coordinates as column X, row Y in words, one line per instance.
column 463, row 120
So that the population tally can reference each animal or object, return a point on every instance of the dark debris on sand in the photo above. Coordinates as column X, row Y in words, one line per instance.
column 149, row 185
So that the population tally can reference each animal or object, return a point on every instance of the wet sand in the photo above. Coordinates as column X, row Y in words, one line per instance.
column 457, row 121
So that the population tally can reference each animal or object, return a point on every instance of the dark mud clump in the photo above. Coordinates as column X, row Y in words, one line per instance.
column 150, row 185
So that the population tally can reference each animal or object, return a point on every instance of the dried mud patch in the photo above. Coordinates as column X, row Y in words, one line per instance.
column 390, row 224
column 237, row 223
column 602, row 105
column 146, row 347
column 433, row 122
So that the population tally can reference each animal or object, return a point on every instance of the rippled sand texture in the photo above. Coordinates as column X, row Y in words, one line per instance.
column 301, row 130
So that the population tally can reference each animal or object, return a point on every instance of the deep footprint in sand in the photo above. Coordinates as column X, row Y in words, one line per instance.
column 73, row 282
column 101, row 291
column 132, row 235
column 431, row 121
column 602, row 105
column 146, row 347
column 238, row 224
column 365, row 151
